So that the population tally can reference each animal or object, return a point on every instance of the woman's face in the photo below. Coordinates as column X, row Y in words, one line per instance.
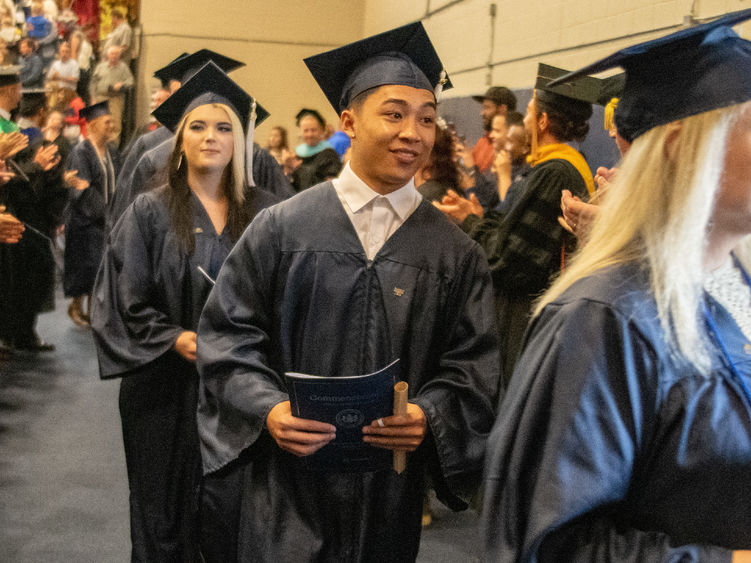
column 208, row 141
column 733, row 207
column 275, row 139
column 55, row 120
column 310, row 130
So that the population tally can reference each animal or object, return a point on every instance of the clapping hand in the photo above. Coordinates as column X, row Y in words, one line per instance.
column 71, row 179
column 11, row 229
column 12, row 143
column 5, row 174
column 47, row 157
column 457, row 207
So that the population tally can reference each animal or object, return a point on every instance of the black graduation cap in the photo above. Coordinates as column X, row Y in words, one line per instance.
column 89, row 113
column 184, row 66
column 9, row 75
column 403, row 56
column 611, row 87
column 307, row 111
column 682, row 74
column 32, row 100
column 574, row 98
column 207, row 86
column 165, row 73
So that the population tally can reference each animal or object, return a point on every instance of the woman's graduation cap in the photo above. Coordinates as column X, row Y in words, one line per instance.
column 573, row 98
column 210, row 85
column 403, row 56
column 92, row 112
column 682, row 74
column 184, row 66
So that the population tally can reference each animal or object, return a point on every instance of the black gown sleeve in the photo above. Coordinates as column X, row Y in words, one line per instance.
column 458, row 401
column 523, row 246
column 88, row 203
column 570, row 442
column 235, row 353
column 130, row 329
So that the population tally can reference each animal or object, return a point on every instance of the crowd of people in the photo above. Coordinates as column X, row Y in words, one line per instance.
column 580, row 340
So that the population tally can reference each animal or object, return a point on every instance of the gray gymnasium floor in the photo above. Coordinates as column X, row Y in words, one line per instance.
column 63, row 486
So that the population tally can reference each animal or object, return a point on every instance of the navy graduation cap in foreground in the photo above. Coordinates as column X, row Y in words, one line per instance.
column 682, row 74
column 208, row 86
column 403, row 56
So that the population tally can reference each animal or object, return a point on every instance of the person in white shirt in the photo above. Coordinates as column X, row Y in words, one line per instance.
column 63, row 74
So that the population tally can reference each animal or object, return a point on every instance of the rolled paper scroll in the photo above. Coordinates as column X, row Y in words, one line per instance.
column 400, row 408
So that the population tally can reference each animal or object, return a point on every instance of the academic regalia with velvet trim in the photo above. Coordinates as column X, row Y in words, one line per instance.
column 84, row 226
column 523, row 246
column 147, row 292
column 617, row 450
column 297, row 293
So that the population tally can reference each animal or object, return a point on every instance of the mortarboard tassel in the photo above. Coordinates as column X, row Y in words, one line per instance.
column 249, row 144
column 439, row 87
column 609, row 121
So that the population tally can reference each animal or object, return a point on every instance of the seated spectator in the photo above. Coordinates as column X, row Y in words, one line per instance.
column 121, row 36
column 63, row 74
column 53, row 133
column 75, row 125
column 110, row 80
column 32, row 67
column 50, row 9
column 83, row 52
column 8, row 31
column 37, row 26
column 6, row 57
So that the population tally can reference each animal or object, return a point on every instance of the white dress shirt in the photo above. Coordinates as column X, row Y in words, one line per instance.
column 375, row 217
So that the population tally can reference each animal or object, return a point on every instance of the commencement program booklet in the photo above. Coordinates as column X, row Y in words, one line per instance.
column 349, row 403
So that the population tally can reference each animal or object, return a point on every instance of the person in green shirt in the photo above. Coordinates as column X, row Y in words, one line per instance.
column 10, row 96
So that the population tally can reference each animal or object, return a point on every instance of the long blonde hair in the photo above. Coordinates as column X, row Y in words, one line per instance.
column 657, row 213
column 233, row 183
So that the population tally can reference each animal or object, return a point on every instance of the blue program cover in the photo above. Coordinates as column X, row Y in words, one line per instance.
column 349, row 403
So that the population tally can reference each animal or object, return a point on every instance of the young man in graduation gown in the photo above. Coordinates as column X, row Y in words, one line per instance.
column 342, row 279
column 98, row 163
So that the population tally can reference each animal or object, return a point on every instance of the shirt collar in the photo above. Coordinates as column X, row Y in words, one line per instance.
column 358, row 194
column 4, row 114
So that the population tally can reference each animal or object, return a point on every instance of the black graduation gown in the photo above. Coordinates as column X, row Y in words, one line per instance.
column 608, row 447
column 28, row 267
column 84, row 225
column 316, row 169
column 147, row 292
column 151, row 172
column 297, row 293
column 523, row 246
